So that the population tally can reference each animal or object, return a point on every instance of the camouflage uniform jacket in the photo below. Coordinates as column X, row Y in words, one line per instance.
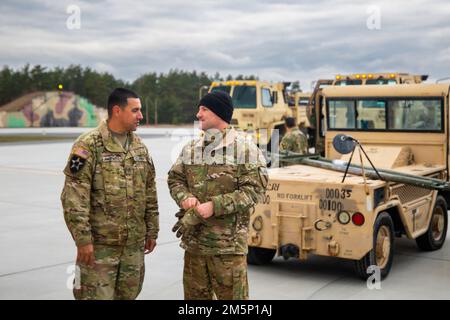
column 109, row 194
column 233, row 177
column 294, row 141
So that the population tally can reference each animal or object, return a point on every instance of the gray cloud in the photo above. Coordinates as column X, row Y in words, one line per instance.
column 276, row 40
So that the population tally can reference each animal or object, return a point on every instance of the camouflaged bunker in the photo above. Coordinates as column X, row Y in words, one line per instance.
column 50, row 109
column 400, row 189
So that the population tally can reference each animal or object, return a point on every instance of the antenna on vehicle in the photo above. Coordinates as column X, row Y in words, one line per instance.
column 442, row 79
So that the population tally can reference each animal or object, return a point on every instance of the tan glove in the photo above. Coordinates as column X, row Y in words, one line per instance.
column 186, row 220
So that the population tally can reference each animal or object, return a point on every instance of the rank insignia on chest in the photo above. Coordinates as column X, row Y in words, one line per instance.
column 139, row 158
column 111, row 157
column 76, row 163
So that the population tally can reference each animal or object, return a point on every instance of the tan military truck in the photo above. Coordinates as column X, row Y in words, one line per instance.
column 378, row 79
column 260, row 107
column 316, row 105
column 309, row 208
column 300, row 110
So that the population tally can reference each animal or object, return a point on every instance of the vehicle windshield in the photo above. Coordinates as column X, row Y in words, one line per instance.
column 348, row 82
column 244, row 97
column 381, row 81
column 420, row 115
column 227, row 89
column 391, row 114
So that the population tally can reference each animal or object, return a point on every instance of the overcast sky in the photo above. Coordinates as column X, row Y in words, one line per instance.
column 290, row 40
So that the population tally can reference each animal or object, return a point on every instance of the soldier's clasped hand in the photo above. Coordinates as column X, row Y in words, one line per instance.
column 186, row 221
column 190, row 203
column 206, row 209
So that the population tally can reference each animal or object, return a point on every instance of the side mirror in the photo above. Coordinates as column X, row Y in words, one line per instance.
column 274, row 97
column 344, row 144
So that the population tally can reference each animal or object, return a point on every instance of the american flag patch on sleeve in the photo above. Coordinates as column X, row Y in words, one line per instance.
column 82, row 153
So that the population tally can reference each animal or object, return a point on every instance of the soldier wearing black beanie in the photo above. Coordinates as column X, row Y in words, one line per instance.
column 220, row 103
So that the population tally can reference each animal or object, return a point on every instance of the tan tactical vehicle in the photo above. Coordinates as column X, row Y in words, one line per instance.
column 260, row 107
column 309, row 209
column 315, row 109
column 301, row 103
column 378, row 79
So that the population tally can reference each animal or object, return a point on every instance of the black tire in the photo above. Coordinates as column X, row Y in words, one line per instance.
column 382, row 253
column 260, row 256
column 435, row 236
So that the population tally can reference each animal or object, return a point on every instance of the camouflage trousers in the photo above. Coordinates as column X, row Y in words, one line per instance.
column 118, row 274
column 222, row 277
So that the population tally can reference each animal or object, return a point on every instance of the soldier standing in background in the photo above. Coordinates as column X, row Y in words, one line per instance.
column 110, row 203
column 216, row 181
column 294, row 140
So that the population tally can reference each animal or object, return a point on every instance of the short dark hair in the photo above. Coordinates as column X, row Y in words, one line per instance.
column 119, row 97
column 290, row 122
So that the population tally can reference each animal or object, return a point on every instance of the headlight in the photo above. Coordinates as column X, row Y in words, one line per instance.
column 258, row 223
column 343, row 217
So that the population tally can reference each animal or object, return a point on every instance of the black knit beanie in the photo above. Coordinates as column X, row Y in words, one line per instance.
column 220, row 103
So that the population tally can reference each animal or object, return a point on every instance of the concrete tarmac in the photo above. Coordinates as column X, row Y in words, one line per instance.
column 37, row 252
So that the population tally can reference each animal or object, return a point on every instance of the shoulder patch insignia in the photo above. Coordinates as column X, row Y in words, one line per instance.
column 81, row 152
column 76, row 163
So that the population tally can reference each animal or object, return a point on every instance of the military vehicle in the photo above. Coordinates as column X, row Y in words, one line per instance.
column 300, row 104
column 260, row 108
column 400, row 189
column 315, row 109
column 378, row 79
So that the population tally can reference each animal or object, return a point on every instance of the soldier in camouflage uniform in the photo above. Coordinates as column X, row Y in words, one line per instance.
column 216, row 181
column 110, row 204
column 294, row 140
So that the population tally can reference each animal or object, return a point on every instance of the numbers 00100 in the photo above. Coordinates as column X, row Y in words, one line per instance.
column 330, row 205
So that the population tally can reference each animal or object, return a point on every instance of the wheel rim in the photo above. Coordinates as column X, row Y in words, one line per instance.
column 383, row 247
column 437, row 224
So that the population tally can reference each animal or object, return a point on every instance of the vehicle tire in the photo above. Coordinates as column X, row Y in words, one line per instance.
column 435, row 236
column 260, row 256
column 382, row 253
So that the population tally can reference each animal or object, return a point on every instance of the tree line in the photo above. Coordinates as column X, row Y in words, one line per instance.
column 174, row 94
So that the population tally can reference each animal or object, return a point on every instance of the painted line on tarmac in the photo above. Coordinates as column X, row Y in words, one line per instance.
column 35, row 269
column 63, row 263
column 28, row 205
column 421, row 257
column 25, row 143
column 325, row 286
column 31, row 170
column 53, row 172
column 68, row 138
